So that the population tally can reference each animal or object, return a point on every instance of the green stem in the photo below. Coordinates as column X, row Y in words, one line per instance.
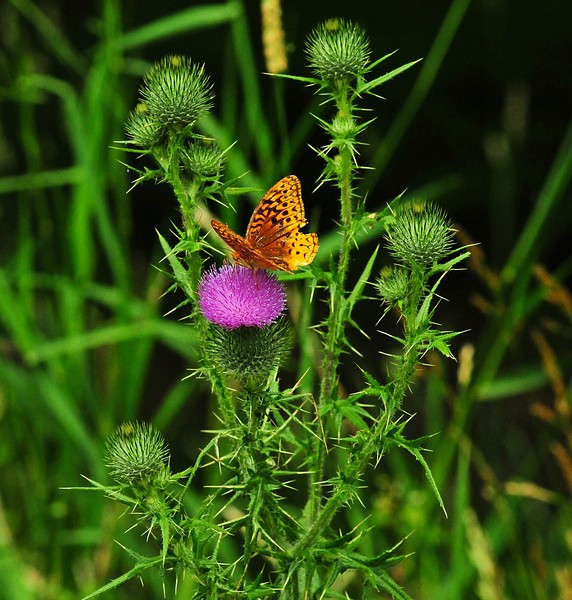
column 360, row 458
column 413, row 333
column 253, row 466
column 336, row 320
column 222, row 393
column 188, row 195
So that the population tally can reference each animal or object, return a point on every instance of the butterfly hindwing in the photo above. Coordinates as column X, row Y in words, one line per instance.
column 243, row 252
column 302, row 250
column 231, row 238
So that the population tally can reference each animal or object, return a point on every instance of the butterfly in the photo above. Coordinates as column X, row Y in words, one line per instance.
column 272, row 239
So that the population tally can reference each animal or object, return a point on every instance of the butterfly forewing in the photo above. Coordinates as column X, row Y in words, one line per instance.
column 279, row 214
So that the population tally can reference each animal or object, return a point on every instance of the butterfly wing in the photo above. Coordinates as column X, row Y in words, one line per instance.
column 273, row 240
column 233, row 240
column 278, row 214
column 274, row 227
column 243, row 252
column 301, row 249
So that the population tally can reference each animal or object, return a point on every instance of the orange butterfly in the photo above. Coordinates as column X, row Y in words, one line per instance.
column 273, row 240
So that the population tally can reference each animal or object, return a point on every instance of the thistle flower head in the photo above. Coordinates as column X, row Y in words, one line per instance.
column 420, row 235
column 136, row 452
column 203, row 157
column 233, row 296
column 176, row 93
column 177, row 90
column 143, row 128
column 343, row 127
column 393, row 284
column 248, row 353
column 337, row 50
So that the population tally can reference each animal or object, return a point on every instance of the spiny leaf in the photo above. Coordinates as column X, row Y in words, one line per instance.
column 449, row 264
column 439, row 343
column 380, row 60
column 308, row 80
column 374, row 569
column 347, row 408
column 111, row 491
column 365, row 87
column 425, row 312
column 374, row 388
column 357, row 292
column 179, row 271
column 165, row 525
column 146, row 563
column 414, row 447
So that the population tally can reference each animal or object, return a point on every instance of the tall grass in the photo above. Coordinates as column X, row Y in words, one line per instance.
column 84, row 344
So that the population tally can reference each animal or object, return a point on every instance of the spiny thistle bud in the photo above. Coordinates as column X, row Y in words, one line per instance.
column 343, row 127
column 421, row 234
column 393, row 284
column 248, row 353
column 136, row 452
column 203, row 158
column 175, row 93
column 338, row 50
column 143, row 128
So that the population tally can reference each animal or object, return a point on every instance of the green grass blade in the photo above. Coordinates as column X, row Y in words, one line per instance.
column 173, row 403
column 42, row 180
column 429, row 70
column 529, row 245
column 108, row 335
column 498, row 334
column 357, row 293
column 14, row 572
column 258, row 130
column 185, row 21
column 64, row 409
column 55, row 37
column 13, row 316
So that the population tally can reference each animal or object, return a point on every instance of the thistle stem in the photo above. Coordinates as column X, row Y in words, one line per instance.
column 336, row 322
column 373, row 444
column 188, row 196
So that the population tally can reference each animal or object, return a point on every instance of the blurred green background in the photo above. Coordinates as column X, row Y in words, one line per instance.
column 482, row 126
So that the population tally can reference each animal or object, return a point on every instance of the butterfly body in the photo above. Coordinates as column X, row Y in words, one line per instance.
column 273, row 239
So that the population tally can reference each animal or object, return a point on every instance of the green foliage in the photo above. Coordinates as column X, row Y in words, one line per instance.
column 262, row 452
column 85, row 343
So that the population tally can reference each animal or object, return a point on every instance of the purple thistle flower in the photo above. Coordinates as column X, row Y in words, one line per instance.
column 233, row 296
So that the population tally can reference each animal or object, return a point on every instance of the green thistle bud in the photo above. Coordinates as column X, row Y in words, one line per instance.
column 143, row 128
column 421, row 235
column 248, row 353
column 393, row 284
column 177, row 92
column 136, row 452
column 337, row 50
column 204, row 158
column 343, row 127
